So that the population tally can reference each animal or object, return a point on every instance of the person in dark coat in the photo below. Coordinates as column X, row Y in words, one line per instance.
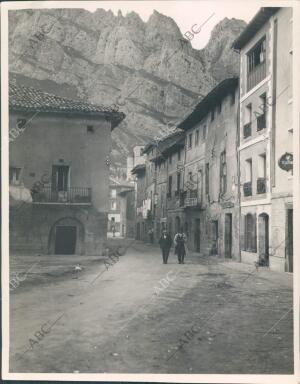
column 179, row 241
column 165, row 243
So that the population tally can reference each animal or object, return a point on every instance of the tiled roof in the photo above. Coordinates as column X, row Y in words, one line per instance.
column 208, row 102
column 30, row 99
column 162, row 139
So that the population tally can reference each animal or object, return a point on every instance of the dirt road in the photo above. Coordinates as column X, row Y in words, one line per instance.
column 139, row 316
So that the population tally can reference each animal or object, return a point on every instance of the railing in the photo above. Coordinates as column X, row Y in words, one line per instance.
column 247, row 189
column 191, row 202
column 75, row 195
column 247, row 130
column 256, row 75
column 261, row 122
column 261, row 185
column 190, row 199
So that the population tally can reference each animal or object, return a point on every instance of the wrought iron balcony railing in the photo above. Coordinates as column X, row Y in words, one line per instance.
column 247, row 130
column 261, row 185
column 256, row 75
column 73, row 195
column 247, row 189
column 261, row 122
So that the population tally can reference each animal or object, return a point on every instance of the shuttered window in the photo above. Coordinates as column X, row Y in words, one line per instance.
column 248, row 227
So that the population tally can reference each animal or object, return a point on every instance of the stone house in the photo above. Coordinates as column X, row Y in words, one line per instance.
column 210, row 193
column 266, row 138
column 141, row 204
column 119, row 215
column 59, row 161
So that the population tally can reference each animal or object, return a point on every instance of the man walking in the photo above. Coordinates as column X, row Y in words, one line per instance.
column 180, row 240
column 165, row 243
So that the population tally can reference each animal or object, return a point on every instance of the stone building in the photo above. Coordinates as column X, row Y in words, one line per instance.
column 266, row 138
column 167, row 157
column 210, row 178
column 119, row 215
column 59, row 161
column 141, row 203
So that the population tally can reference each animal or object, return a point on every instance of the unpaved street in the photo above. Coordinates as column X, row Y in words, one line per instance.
column 129, row 320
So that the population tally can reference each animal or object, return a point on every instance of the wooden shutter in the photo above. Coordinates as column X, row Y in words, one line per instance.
column 242, row 233
column 254, row 237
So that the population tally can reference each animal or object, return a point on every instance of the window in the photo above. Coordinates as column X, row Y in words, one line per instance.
column 257, row 55
column 212, row 115
column 248, row 117
column 113, row 205
column 190, row 140
column 262, row 171
column 170, row 186
column 90, row 129
column 219, row 107
column 14, row 175
column 261, row 115
column 256, row 64
column 197, row 138
column 170, row 159
column 250, row 233
column 113, row 193
column 204, row 131
column 248, row 178
column 207, row 178
column 223, row 173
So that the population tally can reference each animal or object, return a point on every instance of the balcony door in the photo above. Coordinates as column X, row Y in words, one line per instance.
column 60, row 178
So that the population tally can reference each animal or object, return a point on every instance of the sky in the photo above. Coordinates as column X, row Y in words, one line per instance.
column 186, row 13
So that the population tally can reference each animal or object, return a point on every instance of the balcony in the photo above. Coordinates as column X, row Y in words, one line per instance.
column 191, row 202
column 257, row 74
column 190, row 199
column 74, row 195
column 261, row 185
column 247, row 130
column 261, row 122
column 247, row 189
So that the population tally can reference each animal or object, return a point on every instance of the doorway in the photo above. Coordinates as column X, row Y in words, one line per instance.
column 228, row 235
column 60, row 178
column 215, row 237
column 289, row 241
column 65, row 240
column 197, row 235
column 263, row 239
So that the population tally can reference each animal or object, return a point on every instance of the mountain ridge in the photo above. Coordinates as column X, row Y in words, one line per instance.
column 101, row 58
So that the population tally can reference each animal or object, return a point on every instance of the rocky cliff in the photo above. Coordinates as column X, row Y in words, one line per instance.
column 154, row 74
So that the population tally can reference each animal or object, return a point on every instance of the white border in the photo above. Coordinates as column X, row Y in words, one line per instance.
column 182, row 378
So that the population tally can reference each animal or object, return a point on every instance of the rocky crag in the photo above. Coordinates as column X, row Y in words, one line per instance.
column 148, row 67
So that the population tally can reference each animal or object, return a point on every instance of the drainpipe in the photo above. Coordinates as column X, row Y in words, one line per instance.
column 239, row 172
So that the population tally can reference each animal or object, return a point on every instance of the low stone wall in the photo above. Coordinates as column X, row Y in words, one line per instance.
column 32, row 228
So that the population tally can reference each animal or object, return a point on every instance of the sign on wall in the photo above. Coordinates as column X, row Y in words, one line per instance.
column 285, row 162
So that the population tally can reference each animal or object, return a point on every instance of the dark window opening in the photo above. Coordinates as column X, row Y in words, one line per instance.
column 90, row 129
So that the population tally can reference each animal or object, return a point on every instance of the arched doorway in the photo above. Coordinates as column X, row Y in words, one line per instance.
column 177, row 224
column 66, row 237
column 263, row 239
